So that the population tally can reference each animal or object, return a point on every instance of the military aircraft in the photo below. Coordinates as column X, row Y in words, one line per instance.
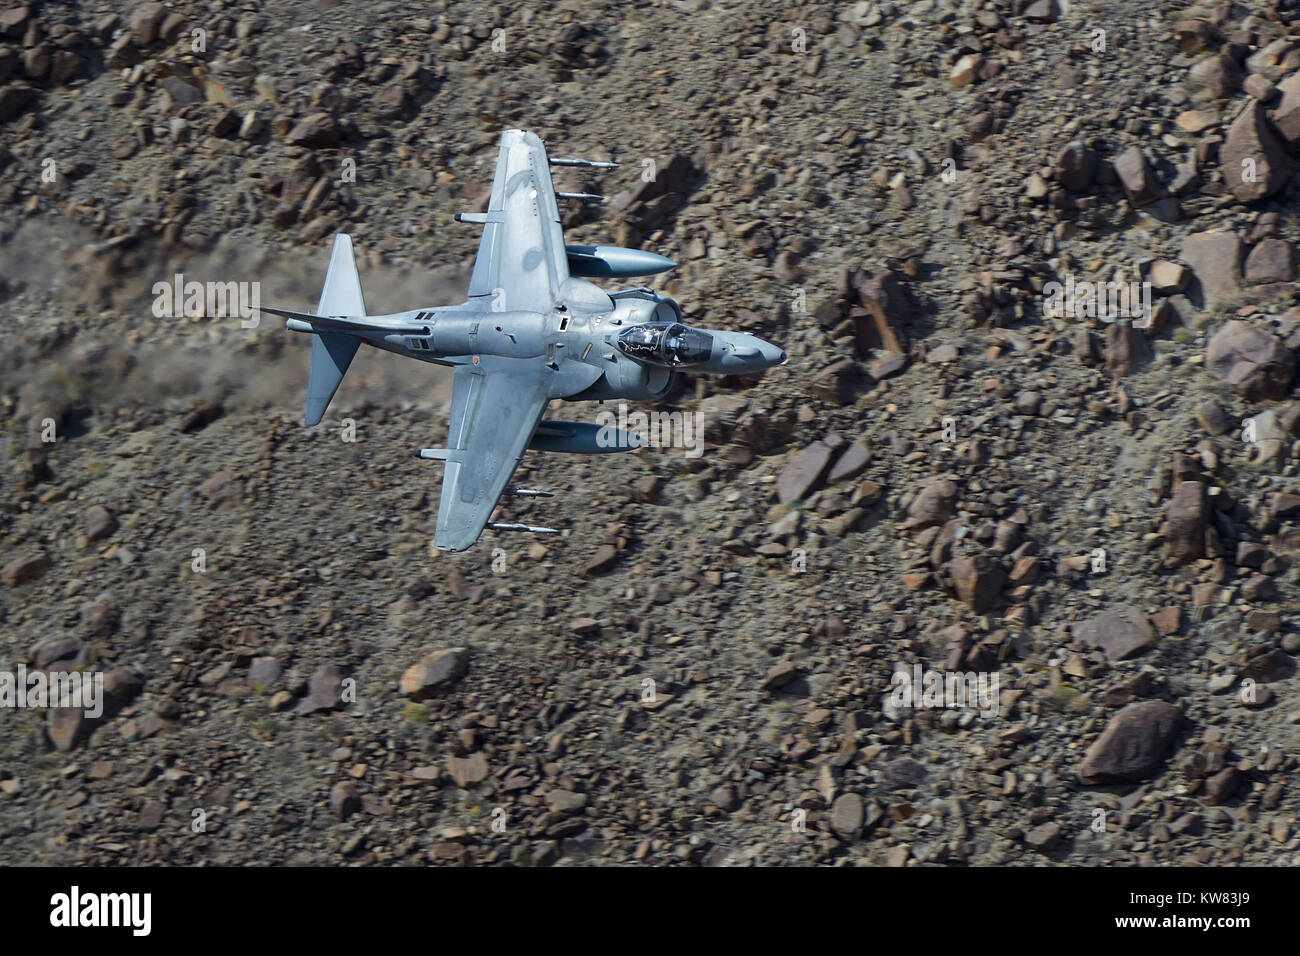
column 533, row 329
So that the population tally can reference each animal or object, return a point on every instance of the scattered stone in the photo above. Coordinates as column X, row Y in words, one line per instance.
column 978, row 581
column 345, row 799
column 1044, row 836
column 1075, row 166
column 1134, row 744
column 1136, row 177
column 435, row 673
column 317, row 131
column 1272, row 260
column 1121, row 632
column 466, row 772
column 803, row 473
column 25, row 568
column 1187, row 517
column 324, row 690
column 1254, row 362
column 1215, row 258
column 847, row 815
column 98, row 523
column 1218, row 74
column 1253, row 162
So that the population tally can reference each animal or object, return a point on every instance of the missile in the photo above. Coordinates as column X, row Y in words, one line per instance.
column 583, row 438
column 531, row 529
column 614, row 262
column 589, row 163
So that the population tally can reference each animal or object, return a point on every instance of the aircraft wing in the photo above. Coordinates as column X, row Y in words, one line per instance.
column 521, row 256
column 495, row 408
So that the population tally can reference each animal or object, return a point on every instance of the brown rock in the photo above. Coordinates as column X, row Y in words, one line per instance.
column 1286, row 118
column 324, row 690
column 978, row 581
column 934, row 504
column 14, row 99
column 1252, row 161
column 316, row 131
column 345, row 799
column 465, row 772
column 1254, row 362
column 1044, row 836
column 1187, row 518
column 1125, row 348
column 435, row 673
column 847, row 815
column 1272, row 260
column 803, row 472
column 1215, row 258
column 1168, row 620
column 852, row 463
column 1221, row 787
column 1121, row 632
column 25, row 568
column 144, row 22
column 1218, row 74
column 1075, row 166
column 838, row 383
column 780, row 675
column 1134, row 744
column 1213, row 418
column 98, row 523
column 884, row 319
column 1135, row 176
column 602, row 559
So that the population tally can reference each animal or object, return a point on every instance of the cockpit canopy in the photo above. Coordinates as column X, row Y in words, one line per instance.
column 671, row 344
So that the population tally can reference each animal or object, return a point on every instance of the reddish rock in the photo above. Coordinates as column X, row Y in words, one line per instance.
column 98, row 523
column 144, row 22
column 977, row 580
column 1168, row 620
column 1286, row 118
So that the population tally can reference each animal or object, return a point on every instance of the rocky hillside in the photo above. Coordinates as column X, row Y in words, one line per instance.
column 964, row 468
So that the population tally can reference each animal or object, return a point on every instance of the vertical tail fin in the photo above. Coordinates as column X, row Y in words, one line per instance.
column 332, row 352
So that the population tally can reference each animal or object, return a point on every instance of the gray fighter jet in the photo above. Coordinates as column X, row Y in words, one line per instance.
column 533, row 329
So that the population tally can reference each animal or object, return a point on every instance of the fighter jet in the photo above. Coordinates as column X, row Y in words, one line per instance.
column 532, row 329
